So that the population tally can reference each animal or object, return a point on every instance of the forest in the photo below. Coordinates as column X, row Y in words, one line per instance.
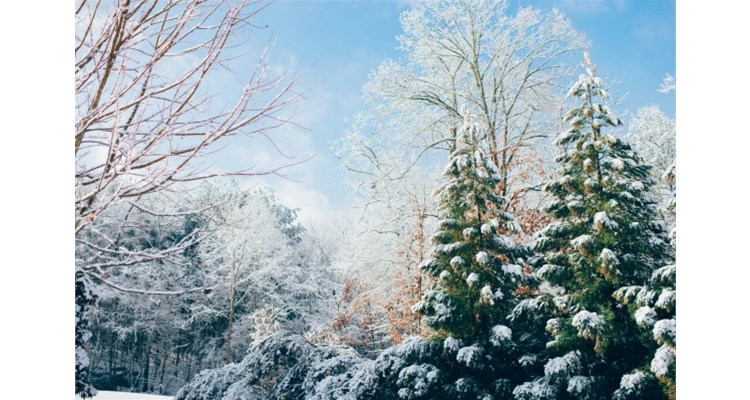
column 509, row 236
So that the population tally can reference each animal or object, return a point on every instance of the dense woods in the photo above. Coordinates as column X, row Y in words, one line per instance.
column 510, row 237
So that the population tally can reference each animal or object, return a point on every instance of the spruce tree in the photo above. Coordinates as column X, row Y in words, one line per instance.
column 604, row 236
column 477, row 279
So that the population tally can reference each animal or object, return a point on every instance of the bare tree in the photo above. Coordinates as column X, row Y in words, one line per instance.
column 144, row 109
column 159, row 89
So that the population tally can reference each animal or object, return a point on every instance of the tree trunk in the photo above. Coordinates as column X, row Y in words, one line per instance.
column 146, row 371
column 232, row 290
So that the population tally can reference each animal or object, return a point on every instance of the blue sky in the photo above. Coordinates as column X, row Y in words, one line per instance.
column 338, row 43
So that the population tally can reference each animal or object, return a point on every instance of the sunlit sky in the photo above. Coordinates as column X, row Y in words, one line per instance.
column 338, row 43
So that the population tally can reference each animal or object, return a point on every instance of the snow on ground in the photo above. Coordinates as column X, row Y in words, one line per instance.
column 105, row 395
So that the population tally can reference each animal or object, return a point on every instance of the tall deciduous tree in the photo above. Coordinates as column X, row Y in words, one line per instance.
column 503, row 65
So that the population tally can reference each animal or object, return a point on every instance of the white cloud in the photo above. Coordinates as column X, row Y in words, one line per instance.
column 312, row 203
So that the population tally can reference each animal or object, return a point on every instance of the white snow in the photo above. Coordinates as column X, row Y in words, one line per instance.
column 486, row 229
column 553, row 325
column 589, row 324
column 451, row 344
column 626, row 195
column 663, row 361
column 457, row 261
column 469, row 233
column 664, row 275
column 534, row 390
column 527, row 360
column 428, row 264
column 106, row 395
column 504, row 241
column 564, row 366
column 469, row 355
column 578, row 384
column 501, row 334
column 512, row 269
column 645, row 316
column 608, row 257
column 665, row 331
column 617, row 164
column 602, row 220
column 486, row 296
column 472, row 279
column 632, row 381
column 483, row 258
column 667, row 300
column 562, row 303
column 636, row 186
column 579, row 242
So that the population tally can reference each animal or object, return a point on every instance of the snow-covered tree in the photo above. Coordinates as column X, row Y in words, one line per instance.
column 504, row 64
column 476, row 282
column 258, row 260
column 147, row 115
column 474, row 262
column 654, row 307
column 604, row 236
column 652, row 134
column 257, row 269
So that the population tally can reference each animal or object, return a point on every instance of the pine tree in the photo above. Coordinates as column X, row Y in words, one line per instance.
column 477, row 281
column 604, row 236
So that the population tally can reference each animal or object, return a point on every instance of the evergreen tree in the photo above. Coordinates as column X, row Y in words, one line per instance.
column 654, row 307
column 603, row 236
column 477, row 281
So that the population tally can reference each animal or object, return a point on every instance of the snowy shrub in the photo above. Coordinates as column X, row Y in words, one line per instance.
column 469, row 233
column 466, row 388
